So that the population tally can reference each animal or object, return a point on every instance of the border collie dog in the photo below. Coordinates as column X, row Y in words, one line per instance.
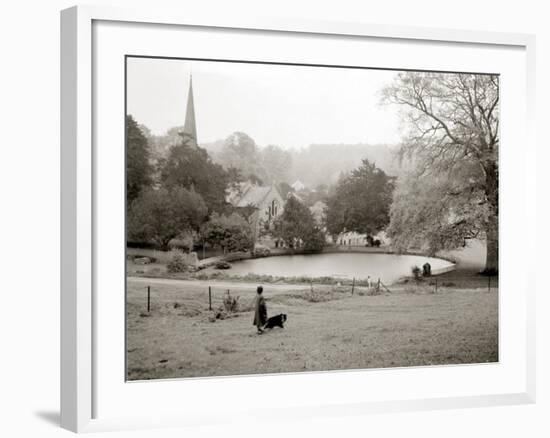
column 276, row 321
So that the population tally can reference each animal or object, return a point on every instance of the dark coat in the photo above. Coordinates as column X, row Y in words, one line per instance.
column 260, row 312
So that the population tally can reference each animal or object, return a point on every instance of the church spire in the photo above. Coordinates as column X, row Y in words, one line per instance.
column 190, row 129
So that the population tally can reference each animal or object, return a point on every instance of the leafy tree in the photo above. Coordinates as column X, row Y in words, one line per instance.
column 276, row 163
column 318, row 211
column 285, row 189
column 453, row 128
column 313, row 239
column 435, row 213
column 138, row 169
column 147, row 133
column 191, row 168
column 160, row 144
column 297, row 227
column 311, row 197
column 232, row 233
column 160, row 215
column 241, row 152
column 360, row 201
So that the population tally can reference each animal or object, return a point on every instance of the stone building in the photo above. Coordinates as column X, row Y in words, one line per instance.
column 261, row 204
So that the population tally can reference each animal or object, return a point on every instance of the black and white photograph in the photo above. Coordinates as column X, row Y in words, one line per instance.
column 285, row 218
column 277, row 219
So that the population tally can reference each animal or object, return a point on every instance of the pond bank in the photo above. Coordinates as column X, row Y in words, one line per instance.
column 277, row 252
column 328, row 268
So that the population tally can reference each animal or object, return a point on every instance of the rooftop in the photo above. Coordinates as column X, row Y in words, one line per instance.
column 248, row 194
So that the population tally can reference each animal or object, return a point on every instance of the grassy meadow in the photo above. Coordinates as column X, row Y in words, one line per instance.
column 328, row 328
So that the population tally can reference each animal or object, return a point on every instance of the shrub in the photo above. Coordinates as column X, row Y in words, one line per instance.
column 160, row 215
column 317, row 296
column 417, row 272
column 223, row 265
column 260, row 251
column 136, row 257
column 371, row 291
column 142, row 260
column 177, row 261
column 230, row 303
column 232, row 233
column 184, row 242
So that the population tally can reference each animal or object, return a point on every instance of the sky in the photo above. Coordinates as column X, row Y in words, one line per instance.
column 288, row 106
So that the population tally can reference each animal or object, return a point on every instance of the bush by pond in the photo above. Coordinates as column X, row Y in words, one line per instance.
column 177, row 261
column 416, row 272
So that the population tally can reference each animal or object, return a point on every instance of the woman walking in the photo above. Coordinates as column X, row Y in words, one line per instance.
column 260, row 310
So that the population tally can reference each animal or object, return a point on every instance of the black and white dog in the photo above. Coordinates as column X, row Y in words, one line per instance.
column 276, row 321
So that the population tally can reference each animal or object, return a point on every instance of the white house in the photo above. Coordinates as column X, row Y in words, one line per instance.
column 298, row 185
column 352, row 238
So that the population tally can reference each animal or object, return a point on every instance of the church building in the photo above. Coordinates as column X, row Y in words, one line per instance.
column 260, row 204
column 265, row 204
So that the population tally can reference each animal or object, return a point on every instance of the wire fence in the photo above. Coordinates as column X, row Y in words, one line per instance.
column 490, row 283
column 213, row 298
column 157, row 300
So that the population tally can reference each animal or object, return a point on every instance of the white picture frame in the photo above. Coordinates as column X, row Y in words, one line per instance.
column 79, row 201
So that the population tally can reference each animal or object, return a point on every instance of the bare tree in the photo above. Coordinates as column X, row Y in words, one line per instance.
column 452, row 121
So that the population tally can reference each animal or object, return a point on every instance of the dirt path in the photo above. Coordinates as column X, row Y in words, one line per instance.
column 226, row 284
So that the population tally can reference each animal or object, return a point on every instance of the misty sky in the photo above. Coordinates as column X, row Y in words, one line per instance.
column 289, row 106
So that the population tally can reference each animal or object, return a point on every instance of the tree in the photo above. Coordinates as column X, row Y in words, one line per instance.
column 138, row 168
column 191, row 168
column 361, row 201
column 160, row 144
column 285, row 189
column 160, row 215
column 276, row 163
column 241, row 152
column 436, row 213
column 453, row 124
column 297, row 227
column 232, row 233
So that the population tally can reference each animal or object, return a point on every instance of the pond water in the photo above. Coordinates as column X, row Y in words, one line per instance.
column 388, row 267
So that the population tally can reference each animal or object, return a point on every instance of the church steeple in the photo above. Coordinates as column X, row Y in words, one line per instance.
column 189, row 128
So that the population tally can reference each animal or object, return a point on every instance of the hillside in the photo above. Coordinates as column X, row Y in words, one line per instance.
column 323, row 163
column 313, row 165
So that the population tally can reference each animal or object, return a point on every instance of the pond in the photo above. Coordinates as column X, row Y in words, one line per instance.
column 388, row 267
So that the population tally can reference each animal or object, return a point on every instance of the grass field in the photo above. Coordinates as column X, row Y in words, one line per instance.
column 327, row 330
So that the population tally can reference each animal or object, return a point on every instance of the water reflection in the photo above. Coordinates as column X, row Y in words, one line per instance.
column 387, row 267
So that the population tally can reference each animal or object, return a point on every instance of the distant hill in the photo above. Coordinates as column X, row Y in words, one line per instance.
column 323, row 163
column 313, row 165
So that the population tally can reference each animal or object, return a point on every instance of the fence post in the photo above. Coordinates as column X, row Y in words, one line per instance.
column 436, row 285
column 209, row 298
column 489, row 284
column 148, row 299
column 378, row 286
column 353, row 285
